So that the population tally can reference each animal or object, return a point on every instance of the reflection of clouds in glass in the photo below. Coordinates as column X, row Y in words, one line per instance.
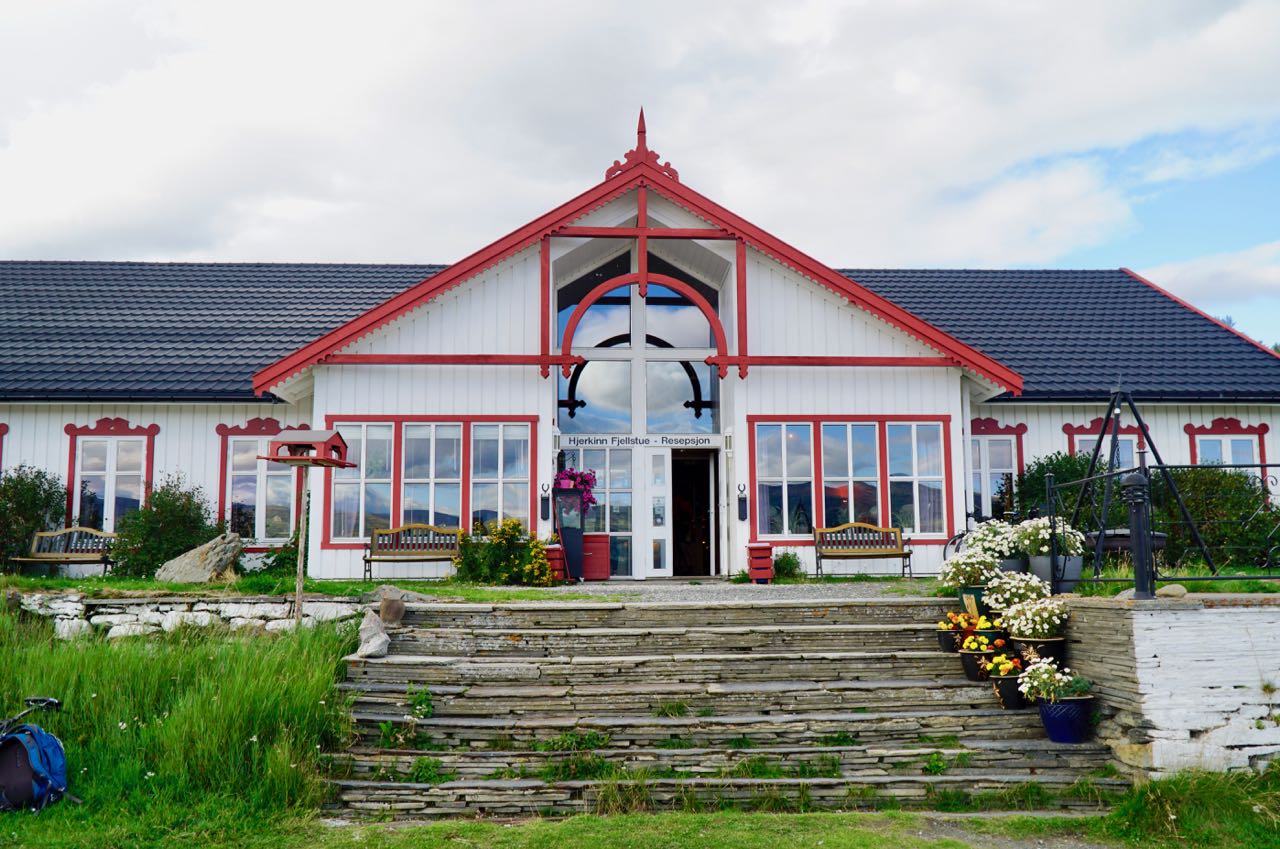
column 682, row 327
column 667, row 390
column 606, row 389
column 599, row 322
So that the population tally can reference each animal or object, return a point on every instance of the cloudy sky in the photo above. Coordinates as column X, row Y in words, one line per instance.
column 982, row 134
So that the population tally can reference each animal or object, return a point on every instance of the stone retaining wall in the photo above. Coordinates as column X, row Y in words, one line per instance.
column 74, row 614
column 1184, row 683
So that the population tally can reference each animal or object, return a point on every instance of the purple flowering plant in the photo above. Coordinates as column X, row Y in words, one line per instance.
column 584, row 480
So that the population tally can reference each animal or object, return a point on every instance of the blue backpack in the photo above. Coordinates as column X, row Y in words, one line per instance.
column 33, row 768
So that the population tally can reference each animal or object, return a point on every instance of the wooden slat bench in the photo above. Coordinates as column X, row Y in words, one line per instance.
column 71, row 545
column 860, row 541
column 412, row 543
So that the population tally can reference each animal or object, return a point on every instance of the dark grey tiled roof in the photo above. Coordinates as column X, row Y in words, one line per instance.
column 199, row 331
column 1075, row 334
column 192, row 331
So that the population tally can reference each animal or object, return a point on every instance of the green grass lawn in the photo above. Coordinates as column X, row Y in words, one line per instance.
column 1118, row 578
column 256, row 584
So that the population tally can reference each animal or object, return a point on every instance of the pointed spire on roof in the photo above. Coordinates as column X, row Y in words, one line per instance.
column 640, row 155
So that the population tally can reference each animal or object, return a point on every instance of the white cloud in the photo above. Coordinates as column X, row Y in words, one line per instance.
column 1221, row 280
column 898, row 134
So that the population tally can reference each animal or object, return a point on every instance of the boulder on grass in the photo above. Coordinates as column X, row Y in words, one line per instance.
column 377, row 594
column 374, row 641
column 213, row 562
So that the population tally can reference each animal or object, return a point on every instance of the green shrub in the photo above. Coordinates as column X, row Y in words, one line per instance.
column 31, row 500
column 786, row 566
column 503, row 554
column 281, row 562
column 430, row 771
column 1029, row 489
column 1230, row 508
column 175, row 519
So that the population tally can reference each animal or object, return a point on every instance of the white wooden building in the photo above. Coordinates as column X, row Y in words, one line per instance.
column 695, row 362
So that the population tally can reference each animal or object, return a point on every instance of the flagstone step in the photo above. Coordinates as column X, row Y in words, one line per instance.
column 688, row 668
column 806, row 728
column 527, row 797
column 975, row 756
column 678, row 698
column 543, row 642
column 582, row 614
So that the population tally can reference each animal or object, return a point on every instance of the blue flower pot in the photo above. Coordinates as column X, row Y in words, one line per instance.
column 1068, row 721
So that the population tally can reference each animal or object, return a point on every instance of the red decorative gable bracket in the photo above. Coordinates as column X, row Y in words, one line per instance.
column 640, row 170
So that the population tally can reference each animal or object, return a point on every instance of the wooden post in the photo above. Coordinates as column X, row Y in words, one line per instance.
column 302, row 542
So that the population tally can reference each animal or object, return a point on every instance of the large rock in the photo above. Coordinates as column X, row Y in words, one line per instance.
column 377, row 594
column 374, row 641
column 213, row 562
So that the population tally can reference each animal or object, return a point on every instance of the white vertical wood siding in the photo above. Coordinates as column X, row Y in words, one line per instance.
column 494, row 313
column 1166, row 421
column 187, row 442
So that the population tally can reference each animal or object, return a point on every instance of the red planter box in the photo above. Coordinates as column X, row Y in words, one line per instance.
column 760, row 562
column 595, row 557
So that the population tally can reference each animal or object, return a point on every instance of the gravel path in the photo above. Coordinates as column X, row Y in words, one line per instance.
column 721, row 590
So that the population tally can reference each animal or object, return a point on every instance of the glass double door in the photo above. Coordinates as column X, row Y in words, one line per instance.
column 657, row 507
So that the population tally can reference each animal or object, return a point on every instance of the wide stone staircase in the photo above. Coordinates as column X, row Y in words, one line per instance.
column 558, row 708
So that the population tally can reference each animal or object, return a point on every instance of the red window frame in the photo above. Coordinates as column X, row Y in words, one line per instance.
column 882, row 438
column 397, row 470
column 991, row 427
column 1094, row 428
column 108, row 426
column 1227, row 427
column 253, row 427
column 4, row 430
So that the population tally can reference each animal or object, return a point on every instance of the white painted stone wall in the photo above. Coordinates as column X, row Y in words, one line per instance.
column 1208, row 677
column 74, row 615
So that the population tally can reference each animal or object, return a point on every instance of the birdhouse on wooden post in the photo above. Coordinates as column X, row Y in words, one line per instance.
column 309, row 448
column 306, row 449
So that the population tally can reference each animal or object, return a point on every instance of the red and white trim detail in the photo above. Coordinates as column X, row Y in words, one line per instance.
column 882, row 438
column 991, row 427
column 1227, row 427
column 108, row 426
column 4, row 429
column 640, row 170
column 1094, row 428
column 397, row 466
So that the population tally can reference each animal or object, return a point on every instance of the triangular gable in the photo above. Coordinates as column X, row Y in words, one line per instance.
column 641, row 167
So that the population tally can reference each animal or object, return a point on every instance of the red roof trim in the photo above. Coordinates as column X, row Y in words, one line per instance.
column 641, row 173
column 1163, row 291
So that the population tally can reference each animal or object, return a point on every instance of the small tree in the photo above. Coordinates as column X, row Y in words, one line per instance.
column 175, row 519
column 31, row 500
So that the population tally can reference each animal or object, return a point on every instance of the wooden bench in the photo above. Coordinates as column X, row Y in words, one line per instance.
column 412, row 543
column 71, row 545
column 860, row 541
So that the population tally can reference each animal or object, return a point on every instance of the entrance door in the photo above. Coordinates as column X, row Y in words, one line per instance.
column 693, row 503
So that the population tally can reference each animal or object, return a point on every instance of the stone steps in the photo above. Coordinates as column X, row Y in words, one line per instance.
column 807, row 728
column 769, row 705
column 546, row 642
column 579, row 614
column 679, row 698
column 1028, row 758
column 686, row 668
column 528, row 797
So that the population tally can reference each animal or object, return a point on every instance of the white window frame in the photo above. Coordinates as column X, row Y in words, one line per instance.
column 916, row 478
column 982, row 467
column 358, row 475
column 432, row 480
column 263, row 471
column 786, row 481
column 603, row 494
column 1225, row 442
column 109, row 516
column 1085, row 443
column 503, row 477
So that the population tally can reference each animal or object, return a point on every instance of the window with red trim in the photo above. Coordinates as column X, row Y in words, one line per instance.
column 4, row 429
column 109, row 471
column 361, row 496
column 1227, row 442
column 260, row 495
column 784, row 478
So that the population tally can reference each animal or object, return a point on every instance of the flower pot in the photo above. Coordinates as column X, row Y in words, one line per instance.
column 1030, row 650
column 971, row 600
column 992, row 634
column 1013, row 564
column 947, row 640
column 1068, row 720
column 1007, row 692
column 1071, row 568
column 973, row 663
column 1041, row 566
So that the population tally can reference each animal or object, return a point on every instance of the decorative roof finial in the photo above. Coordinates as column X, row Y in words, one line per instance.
column 640, row 155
